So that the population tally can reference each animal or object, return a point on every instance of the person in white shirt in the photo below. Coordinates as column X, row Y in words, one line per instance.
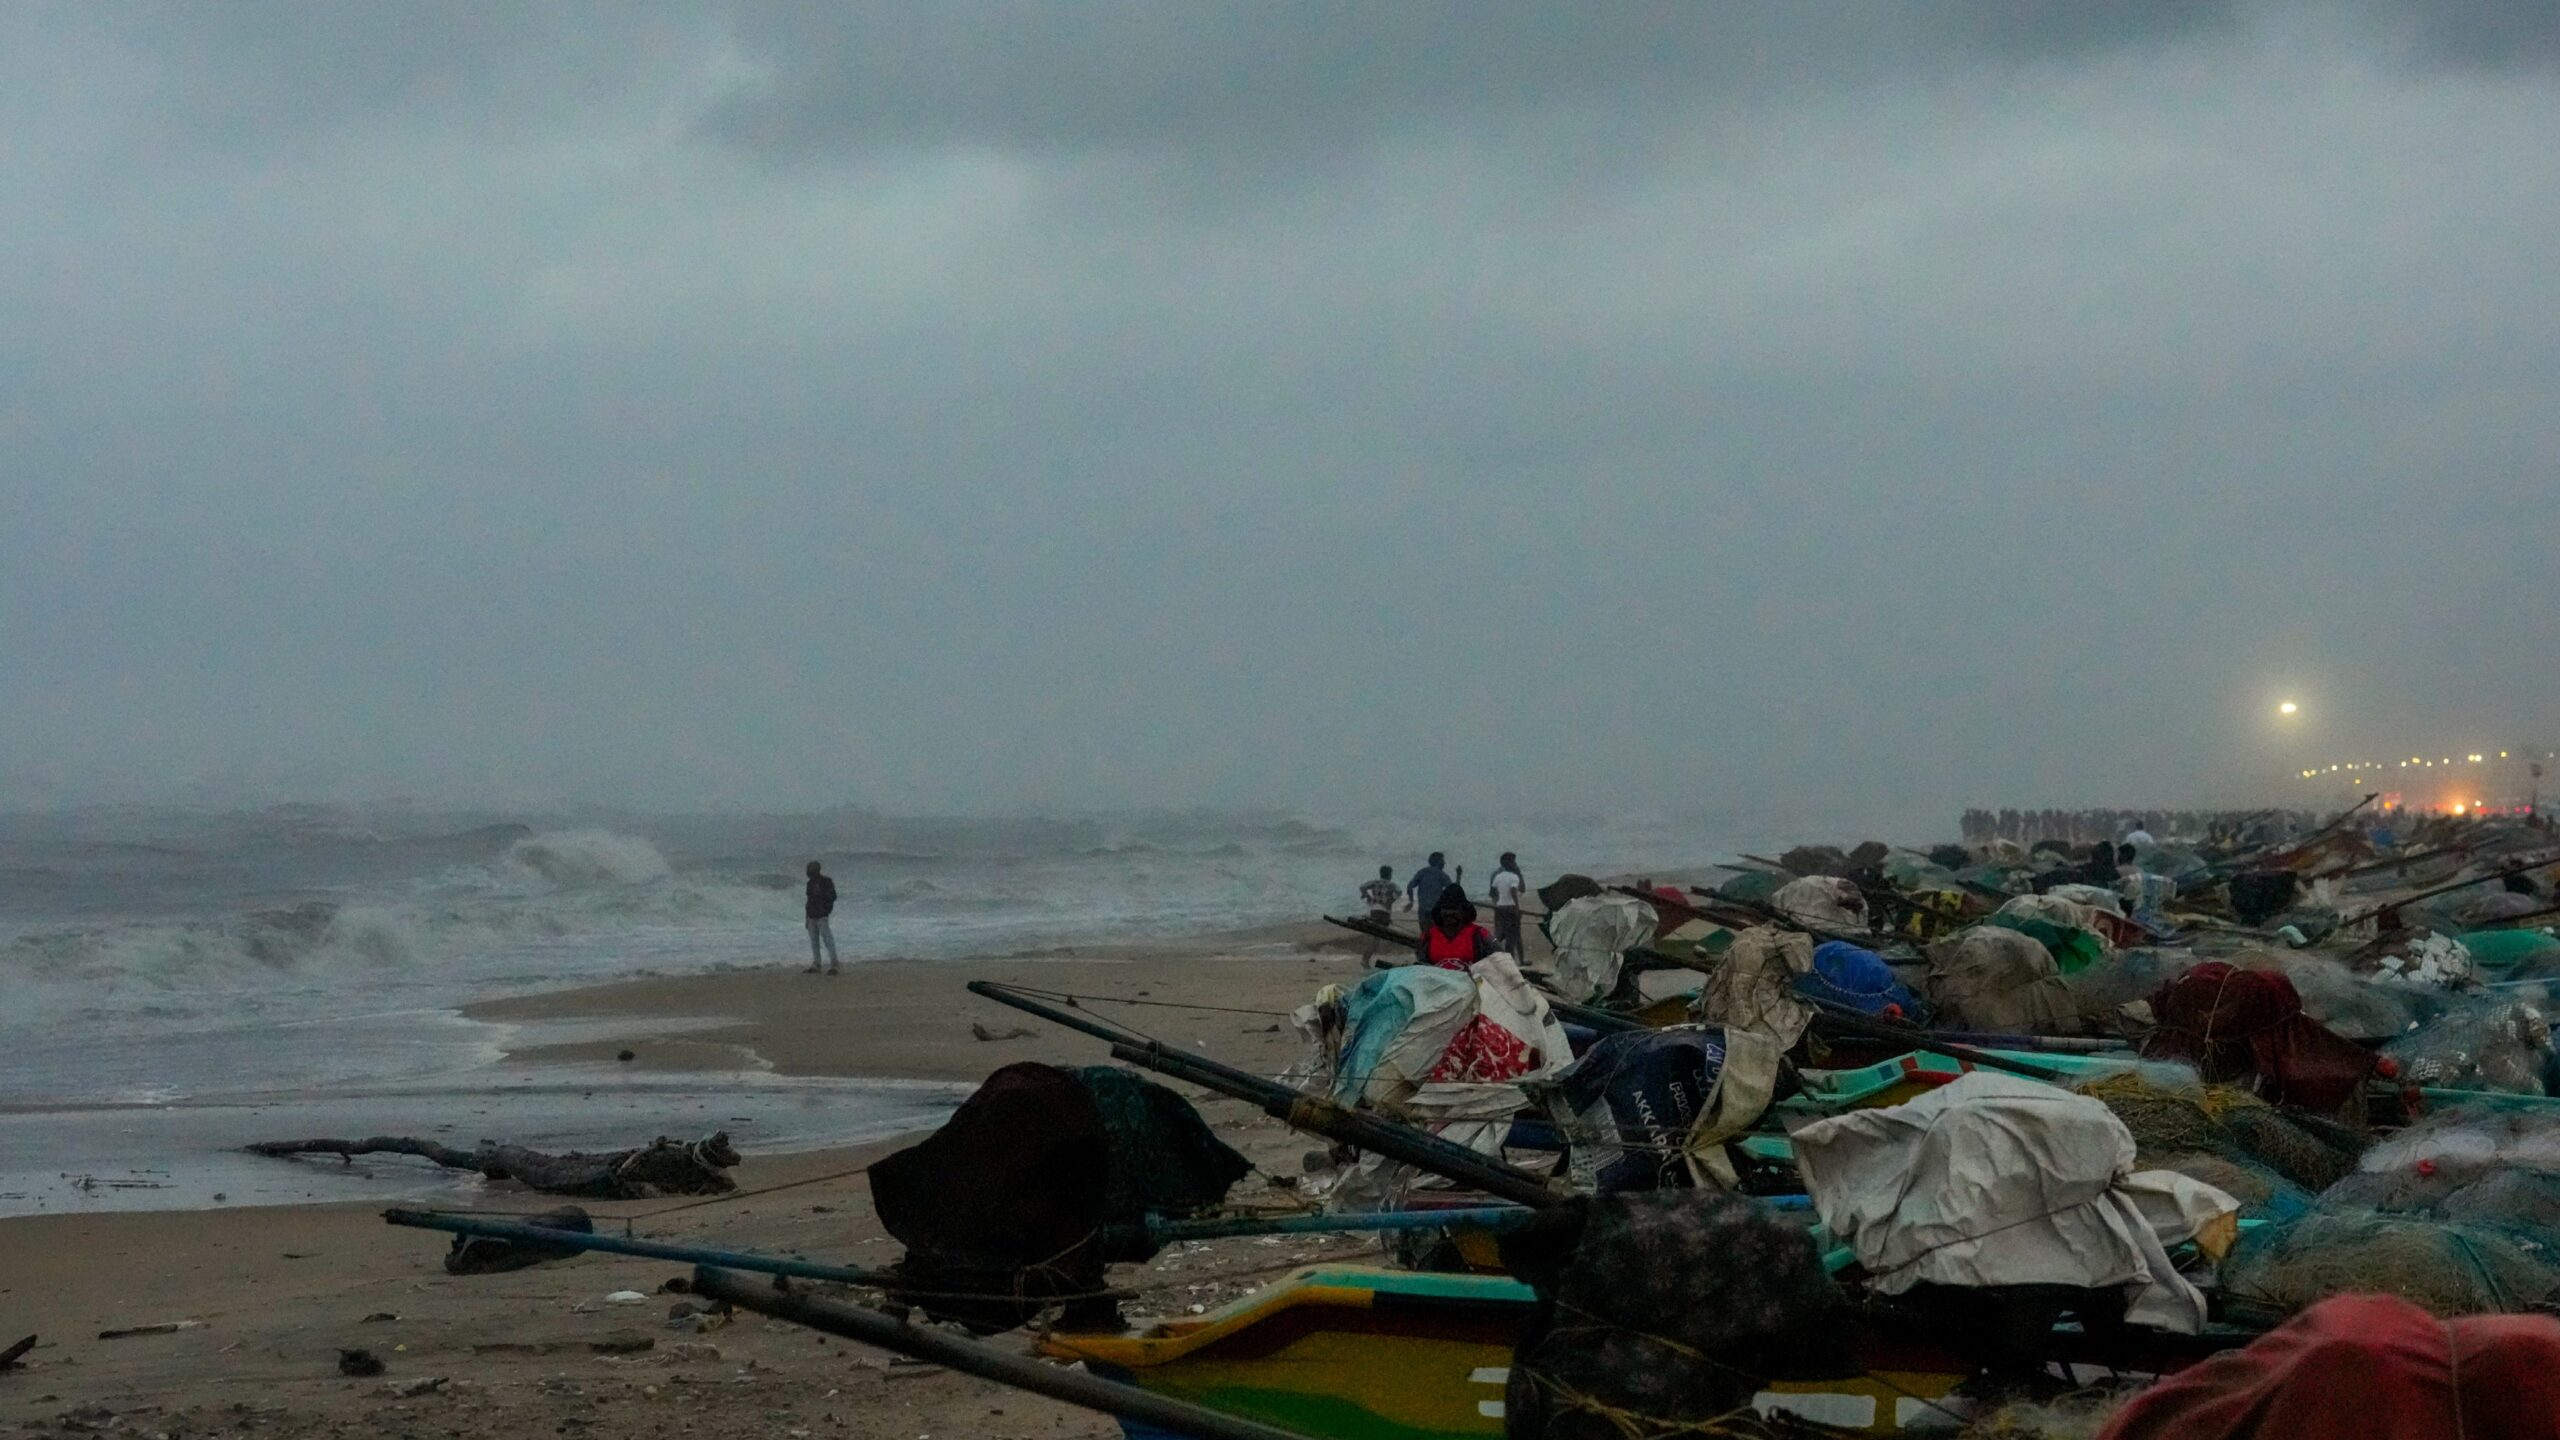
column 1507, row 885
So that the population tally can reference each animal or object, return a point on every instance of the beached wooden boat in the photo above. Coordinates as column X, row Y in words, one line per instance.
column 1352, row 1353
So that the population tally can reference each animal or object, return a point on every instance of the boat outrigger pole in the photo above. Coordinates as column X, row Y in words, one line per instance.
column 1315, row 1114
column 1074, row 1387
column 543, row 1235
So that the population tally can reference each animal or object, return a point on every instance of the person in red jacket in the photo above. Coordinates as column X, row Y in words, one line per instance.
column 1453, row 940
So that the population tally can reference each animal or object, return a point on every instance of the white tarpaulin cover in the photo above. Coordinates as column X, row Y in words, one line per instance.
column 1998, row 1180
column 1824, row 902
column 1592, row 936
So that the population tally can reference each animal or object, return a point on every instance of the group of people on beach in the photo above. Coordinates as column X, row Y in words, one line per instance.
column 1451, row 938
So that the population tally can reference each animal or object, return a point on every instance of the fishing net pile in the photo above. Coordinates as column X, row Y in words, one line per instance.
column 2459, row 1214
column 2442, row 1267
column 2462, row 1163
column 2272, row 1163
column 2079, row 1416
column 1662, row 1312
column 2497, row 1040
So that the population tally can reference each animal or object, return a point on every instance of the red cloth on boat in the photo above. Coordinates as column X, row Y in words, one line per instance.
column 2364, row 1365
column 1672, row 911
column 2236, row 1024
column 1484, row 1052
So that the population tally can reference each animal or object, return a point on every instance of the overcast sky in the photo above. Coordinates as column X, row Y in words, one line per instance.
column 1018, row 406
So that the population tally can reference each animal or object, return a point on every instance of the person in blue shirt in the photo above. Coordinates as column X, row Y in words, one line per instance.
column 1423, row 890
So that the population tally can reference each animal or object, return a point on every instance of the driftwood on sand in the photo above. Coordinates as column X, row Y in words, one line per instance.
column 662, row 1167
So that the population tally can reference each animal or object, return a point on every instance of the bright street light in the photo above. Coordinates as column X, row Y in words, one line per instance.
column 2287, row 708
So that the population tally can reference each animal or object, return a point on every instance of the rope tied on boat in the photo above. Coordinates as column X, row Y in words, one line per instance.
column 1741, row 1423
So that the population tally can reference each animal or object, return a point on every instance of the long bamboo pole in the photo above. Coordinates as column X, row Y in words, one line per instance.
column 970, row 1357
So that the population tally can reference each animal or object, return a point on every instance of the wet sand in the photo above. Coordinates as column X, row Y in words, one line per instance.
column 278, row 1292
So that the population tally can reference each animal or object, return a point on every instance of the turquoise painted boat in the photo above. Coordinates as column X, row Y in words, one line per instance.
column 1352, row 1353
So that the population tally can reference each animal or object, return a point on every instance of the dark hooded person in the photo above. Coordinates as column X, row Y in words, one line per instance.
column 820, row 905
column 1453, row 940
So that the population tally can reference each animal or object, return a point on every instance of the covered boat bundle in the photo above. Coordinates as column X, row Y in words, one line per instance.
column 1039, row 1181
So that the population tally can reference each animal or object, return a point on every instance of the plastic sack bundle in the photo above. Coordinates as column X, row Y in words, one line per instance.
column 1857, row 978
column 1418, row 1024
column 2127, row 977
column 2446, row 1269
column 2055, row 909
column 1753, row 986
column 1394, row 1027
column 1646, row 1109
column 1996, row 979
column 2496, row 1042
column 1822, row 902
column 2091, row 896
column 2073, row 949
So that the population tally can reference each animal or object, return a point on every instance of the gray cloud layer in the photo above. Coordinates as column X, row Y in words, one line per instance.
column 1857, row 407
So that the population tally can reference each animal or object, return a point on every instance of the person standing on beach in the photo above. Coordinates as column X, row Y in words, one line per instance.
column 1423, row 890
column 822, row 904
column 1505, row 894
column 1379, row 896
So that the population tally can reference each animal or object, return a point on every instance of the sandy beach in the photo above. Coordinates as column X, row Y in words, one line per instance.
column 269, row 1297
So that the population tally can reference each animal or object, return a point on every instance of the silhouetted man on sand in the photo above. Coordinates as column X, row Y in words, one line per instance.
column 822, row 903
column 1423, row 891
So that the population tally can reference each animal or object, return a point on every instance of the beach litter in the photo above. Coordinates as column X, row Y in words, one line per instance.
column 164, row 1327
column 661, row 1167
column 1922, row 1134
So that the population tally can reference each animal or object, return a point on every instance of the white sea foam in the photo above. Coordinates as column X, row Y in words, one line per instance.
column 588, row 857
column 175, row 955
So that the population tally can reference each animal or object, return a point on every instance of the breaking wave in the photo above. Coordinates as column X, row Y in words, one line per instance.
column 588, row 857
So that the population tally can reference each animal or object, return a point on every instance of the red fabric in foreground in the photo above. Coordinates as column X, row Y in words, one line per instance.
column 2365, row 1365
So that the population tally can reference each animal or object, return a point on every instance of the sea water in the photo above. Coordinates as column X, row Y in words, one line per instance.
column 176, row 984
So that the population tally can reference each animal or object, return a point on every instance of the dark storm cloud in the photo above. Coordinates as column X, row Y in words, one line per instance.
column 1866, row 409
column 1051, row 75
column 2483, row 34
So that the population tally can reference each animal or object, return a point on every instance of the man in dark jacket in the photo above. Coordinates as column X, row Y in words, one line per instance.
column 822, row 903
